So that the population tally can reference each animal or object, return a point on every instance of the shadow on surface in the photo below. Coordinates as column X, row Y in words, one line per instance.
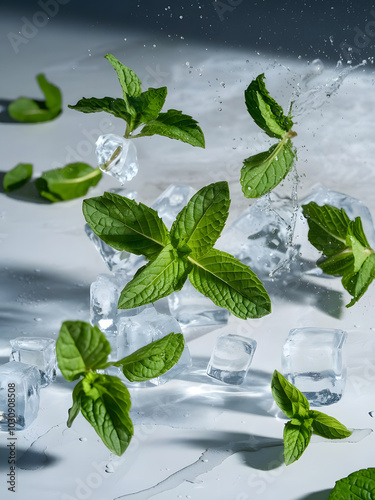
column 28, row 192
column 26, row 459
column 4, row 115
column 318, row 495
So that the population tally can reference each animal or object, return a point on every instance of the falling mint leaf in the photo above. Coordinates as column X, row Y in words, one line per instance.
column 175, row 125
column 126, row 225
column 80, row 347
column 17, row 177
column 287, row 397
column 359, row 485
column 154, row 359
column 67, row 183
column 328, row 427
column 263, row 172
column 28, row 110
column 229, row 284
column 265, row 111
column 296, row 440
column 200, row 222
column 105, row 404
column 162, row 276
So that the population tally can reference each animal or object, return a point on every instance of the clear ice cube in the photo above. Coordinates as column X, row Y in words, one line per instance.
column 117, row 157
column 39, row 352
column 172, row 201
column 312, row 361
column 191, row 308
column 137, row 331
column 231, row 358
column 19, row 382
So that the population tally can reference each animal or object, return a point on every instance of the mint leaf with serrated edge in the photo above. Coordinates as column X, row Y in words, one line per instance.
column 229, row 284
column 265, row 111
column 287, row 397
column 28, row 110
column 328, row 427
column 154, row 359
column 263, row 172
column 297, row 432
column 17, row 177
column 201, row 221
column 105, row 404
column 143, row 108
column 80, row 347
column 344, row 245
column 296, row 440
column 159, row 278
column 126, row 225
column 359, row 485
column 69, row 182
column 76, row 406
column 175, row 125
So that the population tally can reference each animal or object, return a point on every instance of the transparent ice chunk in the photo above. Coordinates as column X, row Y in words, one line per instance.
column 172, row 201
column 137, row 331
column 22, row 381
column 312, row 361
column 39, row 352
column 117, row 157
column 191, row 308
column 231, row 358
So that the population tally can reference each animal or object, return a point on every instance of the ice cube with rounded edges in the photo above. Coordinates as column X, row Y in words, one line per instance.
column 117, row 157
column 19, row 384
column 39, row 352
column 312, row 361
column 231, row 358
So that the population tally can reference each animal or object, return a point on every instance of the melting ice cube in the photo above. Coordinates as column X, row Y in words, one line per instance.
column 117, row 156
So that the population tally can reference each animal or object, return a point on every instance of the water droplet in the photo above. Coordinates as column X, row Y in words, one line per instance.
column 222, row 84
column 371, row 413
column 317, row 66
column 37, row 319
column 83, row 439
column 109, row 468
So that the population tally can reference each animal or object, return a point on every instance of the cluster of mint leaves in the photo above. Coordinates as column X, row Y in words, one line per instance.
column 184, row 251
column 344, row 245
column 264, row 171
column 304, row 421
column 139, row 108
column 102, row 399
column 59, row 184
column 28, row 110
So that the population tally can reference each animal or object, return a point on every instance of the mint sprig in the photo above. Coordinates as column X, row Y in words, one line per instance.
column 186, row 251
column 139, row 108
column 264, row 171
column 298, row 431
column 104, row 400
column 28, row 110
column 358, row 485
column 346, row 251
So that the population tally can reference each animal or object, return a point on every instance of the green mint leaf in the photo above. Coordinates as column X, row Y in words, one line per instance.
column 116, row 107
column 154, row 359
column 175, row 125
column 130, row 83
column 162, row 276
column 147, row 106
column 338, row 265
column 358, row 283
column 201, row 221
column 263, row 172
column 76, row 406
column 328, row 427
column 28, row 110
column 358, row 243
column 328, row 227
column 17, row 177
column 229, row 284
column 126, row 225
column 80, row 347
column 288, row 398
column 69, row 182
column 296, row 440
column 105, row 404
column 265, row 111
column 359, row 485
